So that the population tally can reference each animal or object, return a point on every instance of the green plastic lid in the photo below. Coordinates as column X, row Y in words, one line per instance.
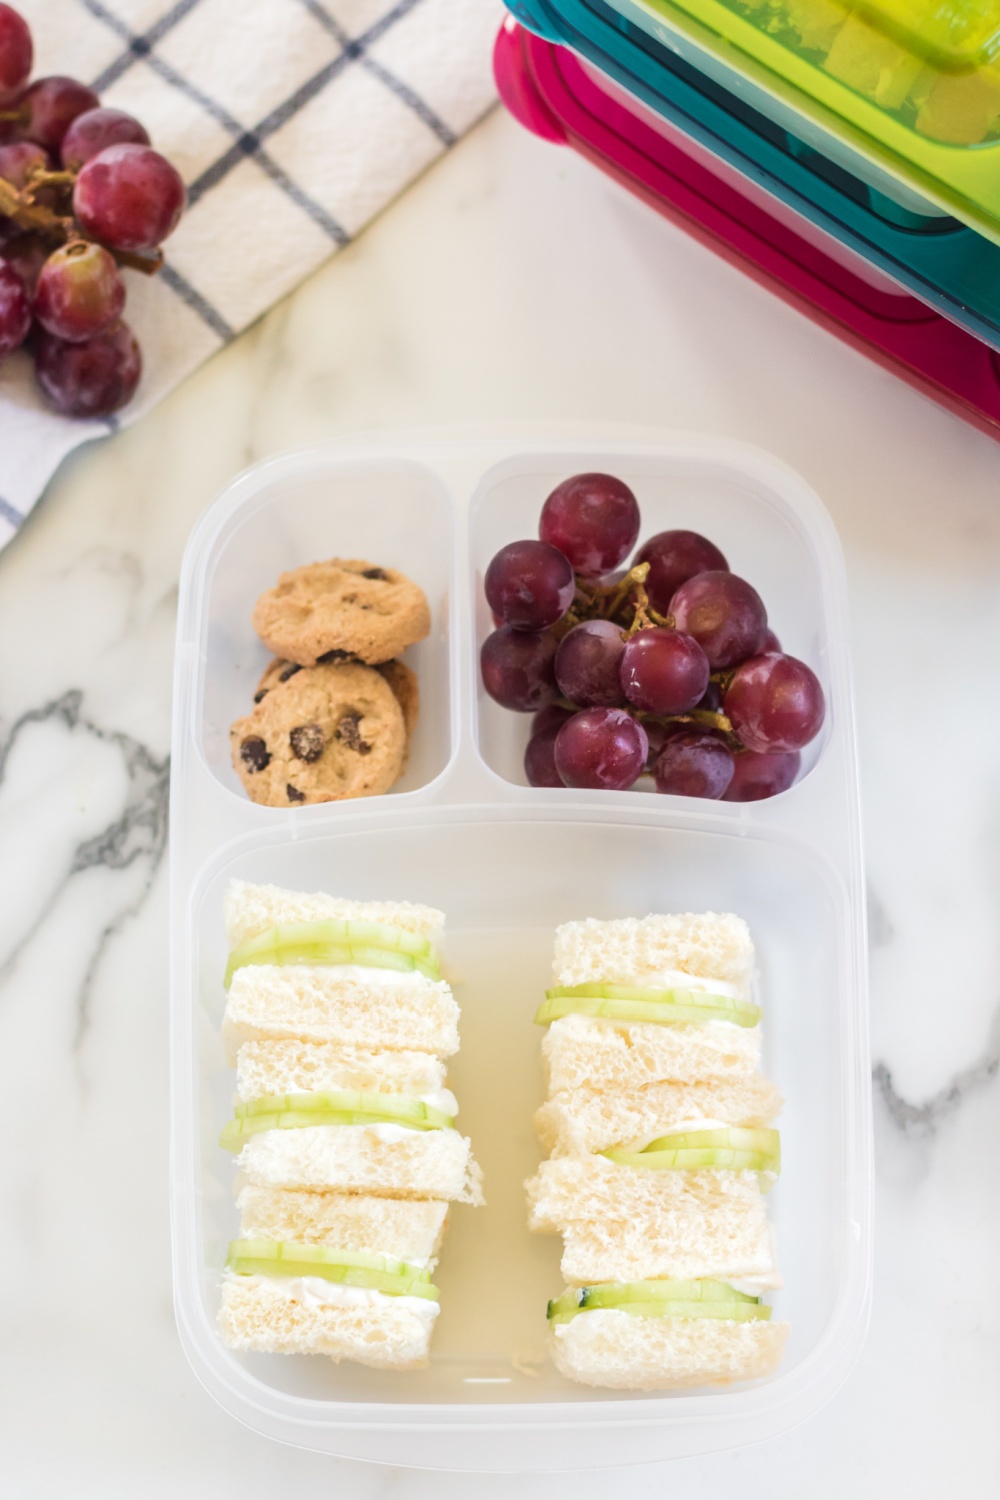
column 913, row 85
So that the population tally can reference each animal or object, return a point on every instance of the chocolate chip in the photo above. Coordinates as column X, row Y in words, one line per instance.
column 259, row 697
column 347, row 730
column 254, row 753
column 376, row 573
column 307, row 741
column 334, row 656
column 294, row 795
column 288, row 670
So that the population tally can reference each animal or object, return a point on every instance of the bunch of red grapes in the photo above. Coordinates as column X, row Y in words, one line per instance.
column 82, row 194
column 667, row 667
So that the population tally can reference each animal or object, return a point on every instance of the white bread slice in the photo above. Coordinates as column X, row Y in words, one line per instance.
column 590, row 1120
column 383, row 1009
column 626, row 1224
column 289, row 1066
column 251, row 909
column 407, row 1229
column 589, row 1052
column 360, row 1159
column 606, row 1347
column 276, row 1315
column 635, row 950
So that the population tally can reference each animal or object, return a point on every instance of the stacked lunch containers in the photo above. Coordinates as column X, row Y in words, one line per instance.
column 845, row 154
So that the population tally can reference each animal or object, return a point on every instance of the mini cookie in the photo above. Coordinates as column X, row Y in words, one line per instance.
column 346, row 606
column 401, row 678
column 325, row 733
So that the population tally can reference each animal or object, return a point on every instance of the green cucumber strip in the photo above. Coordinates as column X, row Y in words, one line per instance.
column 669, row 1012
column 738, row 1137
column 319, row 943
column 664, row 1298
column 386, row 1107
column 694, row 1159
column 375, row 1109
column 336, row 930
column 701, row 999
column 349, row 1268
column 733, row 1312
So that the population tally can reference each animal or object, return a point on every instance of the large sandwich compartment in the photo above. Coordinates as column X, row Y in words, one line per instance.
column 507, row 863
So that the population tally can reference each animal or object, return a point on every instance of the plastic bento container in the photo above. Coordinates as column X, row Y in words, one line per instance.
column 551, row 92
column 507, row 862
column 936, row 140
column 937, row 258
column 911, row 88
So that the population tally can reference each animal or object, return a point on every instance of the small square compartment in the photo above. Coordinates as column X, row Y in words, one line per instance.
column 391, row 512
column 761, row 535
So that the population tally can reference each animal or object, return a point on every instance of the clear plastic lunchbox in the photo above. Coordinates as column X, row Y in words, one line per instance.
column 936, row 257
column 903, row 92
column 507, row 862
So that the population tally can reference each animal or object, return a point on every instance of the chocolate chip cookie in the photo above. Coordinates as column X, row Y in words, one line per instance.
column 401, row 678
column 341, row 609
column 323, row 733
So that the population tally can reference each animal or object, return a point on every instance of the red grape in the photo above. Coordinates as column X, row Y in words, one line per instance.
column 128, row 197
column 530, row 585
column 603, row 748
column 517, row 667
column 540, row 760
column 80, row 292
column 694, row 765
column 724, row 614
column 15, row 310
column 712, row 701
column 770, row 643
column 593, row 519
column 587, row 664
column 674, row 557
column 553, row 715
column 52, row 104
column 18, row 158
column 91, row 379
column 27, row 254
column 759, row 776
column 97, row 128
column 775, row 702
column 663, row 671
column 16, row 53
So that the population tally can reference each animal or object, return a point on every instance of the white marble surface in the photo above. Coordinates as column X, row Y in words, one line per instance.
column 508, row 285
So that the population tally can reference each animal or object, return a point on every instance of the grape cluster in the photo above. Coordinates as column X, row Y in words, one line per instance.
column 667, row 668
column 82, row 194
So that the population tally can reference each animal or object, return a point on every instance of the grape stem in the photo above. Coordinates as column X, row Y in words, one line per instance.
column 20, row 206
column 607, row 601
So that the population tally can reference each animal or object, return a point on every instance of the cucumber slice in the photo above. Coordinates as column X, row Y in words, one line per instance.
column 368, row 944
column 626, row 1002
column 295, row 1111
column 660, row 1299
column 378, row 1273
column 736, row 1137
column 693, row 1160
column 732, row 1149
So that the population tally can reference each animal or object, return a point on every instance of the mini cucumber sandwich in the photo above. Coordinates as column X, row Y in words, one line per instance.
column 336, row 1274
column 658, row 1129
column 658, row 1334
column 343, row 1128
column 321, row 969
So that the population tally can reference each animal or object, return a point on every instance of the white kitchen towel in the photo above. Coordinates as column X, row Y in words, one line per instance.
column 292, row 122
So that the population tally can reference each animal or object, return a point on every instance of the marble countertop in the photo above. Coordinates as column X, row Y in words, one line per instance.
column 510, row 285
